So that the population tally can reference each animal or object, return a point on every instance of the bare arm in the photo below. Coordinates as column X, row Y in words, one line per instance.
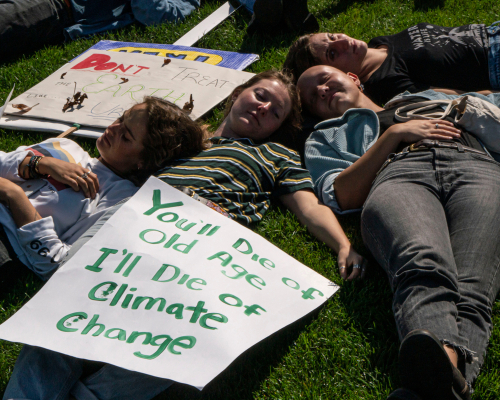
column 459, row 92
column 447, row 91
column 14, row 197
column 353, row 184
column 323, row 224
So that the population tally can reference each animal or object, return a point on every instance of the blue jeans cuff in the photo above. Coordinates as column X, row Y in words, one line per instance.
column 494, row 54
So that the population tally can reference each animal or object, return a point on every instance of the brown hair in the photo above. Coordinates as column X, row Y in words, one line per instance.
column 300, row 57
column 287, row 133
column 170, row 134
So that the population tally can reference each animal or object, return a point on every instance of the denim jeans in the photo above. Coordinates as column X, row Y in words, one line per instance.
column 42, row 374
column 432, row 221
column 494, row 54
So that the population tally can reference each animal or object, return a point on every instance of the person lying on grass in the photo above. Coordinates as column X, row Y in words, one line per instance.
column 464, row 58
column 238, row 176
column 52, row 192
column 429, row 217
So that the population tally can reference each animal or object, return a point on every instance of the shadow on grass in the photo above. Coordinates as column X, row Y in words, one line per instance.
column 10, row 301
column 338, row 7
column 245, row 374
column 369, row 304
column 426, row 5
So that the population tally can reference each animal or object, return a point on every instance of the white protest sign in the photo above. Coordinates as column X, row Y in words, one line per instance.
column 170, row 288
column 115, row 82
column 206, row 25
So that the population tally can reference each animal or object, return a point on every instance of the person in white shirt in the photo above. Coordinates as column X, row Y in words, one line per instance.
column 52, row 192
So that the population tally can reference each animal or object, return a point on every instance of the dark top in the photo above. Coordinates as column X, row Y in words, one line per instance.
column 428, row 55
column 386, row 120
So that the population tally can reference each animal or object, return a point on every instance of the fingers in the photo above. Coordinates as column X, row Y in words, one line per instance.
column 88, row 182
column 82, row 183
column 441, row 137
column 92, row 184
column 95, row 181
column 444, row 129
column 358, row 270
column 351, row 264
column 343, row 272
column 72, row 183
column 364, row 267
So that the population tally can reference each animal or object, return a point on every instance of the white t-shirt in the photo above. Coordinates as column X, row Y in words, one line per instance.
column 66, row 214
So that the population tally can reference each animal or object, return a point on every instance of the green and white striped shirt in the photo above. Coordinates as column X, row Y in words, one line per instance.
column 240, row 176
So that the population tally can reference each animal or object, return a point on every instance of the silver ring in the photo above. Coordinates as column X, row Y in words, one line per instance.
column 341, row 267
column 85, row 175
column 356, row 266
column 437, row 125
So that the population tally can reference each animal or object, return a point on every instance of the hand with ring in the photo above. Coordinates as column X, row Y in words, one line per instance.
column 70, row 174
column 351, row 264
column 414, row 130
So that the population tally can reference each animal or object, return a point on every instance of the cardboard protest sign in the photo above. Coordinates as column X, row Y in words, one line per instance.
column 226, row 59
column 170, row 288
column 113, row 82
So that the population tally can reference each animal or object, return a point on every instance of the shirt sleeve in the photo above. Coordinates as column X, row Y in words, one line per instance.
column 9, row 164
column 325, row 163
column 42, row 246
column 291, row 176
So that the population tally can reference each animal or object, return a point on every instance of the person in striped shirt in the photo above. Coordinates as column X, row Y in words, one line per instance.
column 247, row 165
column 250, row 163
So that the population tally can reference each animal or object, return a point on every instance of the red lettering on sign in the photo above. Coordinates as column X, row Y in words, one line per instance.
column 98, row 61
column 140, row 69
column 122, row 68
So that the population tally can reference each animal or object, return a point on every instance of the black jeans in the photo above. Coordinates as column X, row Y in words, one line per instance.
column 432, row 221
column 11, row 268
column 26, row 25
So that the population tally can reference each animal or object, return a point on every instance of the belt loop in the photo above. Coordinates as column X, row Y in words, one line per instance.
column 460, row 148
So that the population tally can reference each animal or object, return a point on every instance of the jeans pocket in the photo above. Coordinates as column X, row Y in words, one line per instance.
column 486, row 158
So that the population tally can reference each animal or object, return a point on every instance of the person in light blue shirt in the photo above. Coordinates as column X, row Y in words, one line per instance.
column 430, row 199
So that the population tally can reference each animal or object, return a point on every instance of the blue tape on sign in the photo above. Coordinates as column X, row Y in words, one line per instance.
column 226, row 59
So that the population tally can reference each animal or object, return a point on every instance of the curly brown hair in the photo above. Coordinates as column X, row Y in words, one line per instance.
column 300, row 57
column 171, row 134
column 287, row 133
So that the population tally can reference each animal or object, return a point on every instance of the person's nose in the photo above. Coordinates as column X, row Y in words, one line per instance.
column 114, row 129
column 322, row 91
column 341, row 44
column 264, row 107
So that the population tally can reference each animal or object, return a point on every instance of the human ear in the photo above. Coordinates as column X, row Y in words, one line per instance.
column 235, row 95
column 354, row 78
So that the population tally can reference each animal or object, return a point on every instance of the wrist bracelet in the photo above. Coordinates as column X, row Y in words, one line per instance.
column 33, row 168
column 36, row 165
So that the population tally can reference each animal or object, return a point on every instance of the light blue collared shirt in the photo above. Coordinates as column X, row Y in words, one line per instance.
column 339, row 142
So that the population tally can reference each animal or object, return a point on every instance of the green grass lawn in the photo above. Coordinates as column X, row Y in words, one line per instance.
column 349, row 349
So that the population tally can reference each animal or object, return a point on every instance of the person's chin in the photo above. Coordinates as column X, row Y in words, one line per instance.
column 246, row 124
column 98, row 143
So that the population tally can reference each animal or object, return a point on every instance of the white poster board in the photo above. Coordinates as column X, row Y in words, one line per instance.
column 170, row 288
column 115, row 82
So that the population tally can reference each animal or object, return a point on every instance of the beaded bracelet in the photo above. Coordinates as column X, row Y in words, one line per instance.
column 33, row 168
column 36, row 165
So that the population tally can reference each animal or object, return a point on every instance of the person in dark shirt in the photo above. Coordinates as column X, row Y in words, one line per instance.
column 430, row 200
column 424, row 56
